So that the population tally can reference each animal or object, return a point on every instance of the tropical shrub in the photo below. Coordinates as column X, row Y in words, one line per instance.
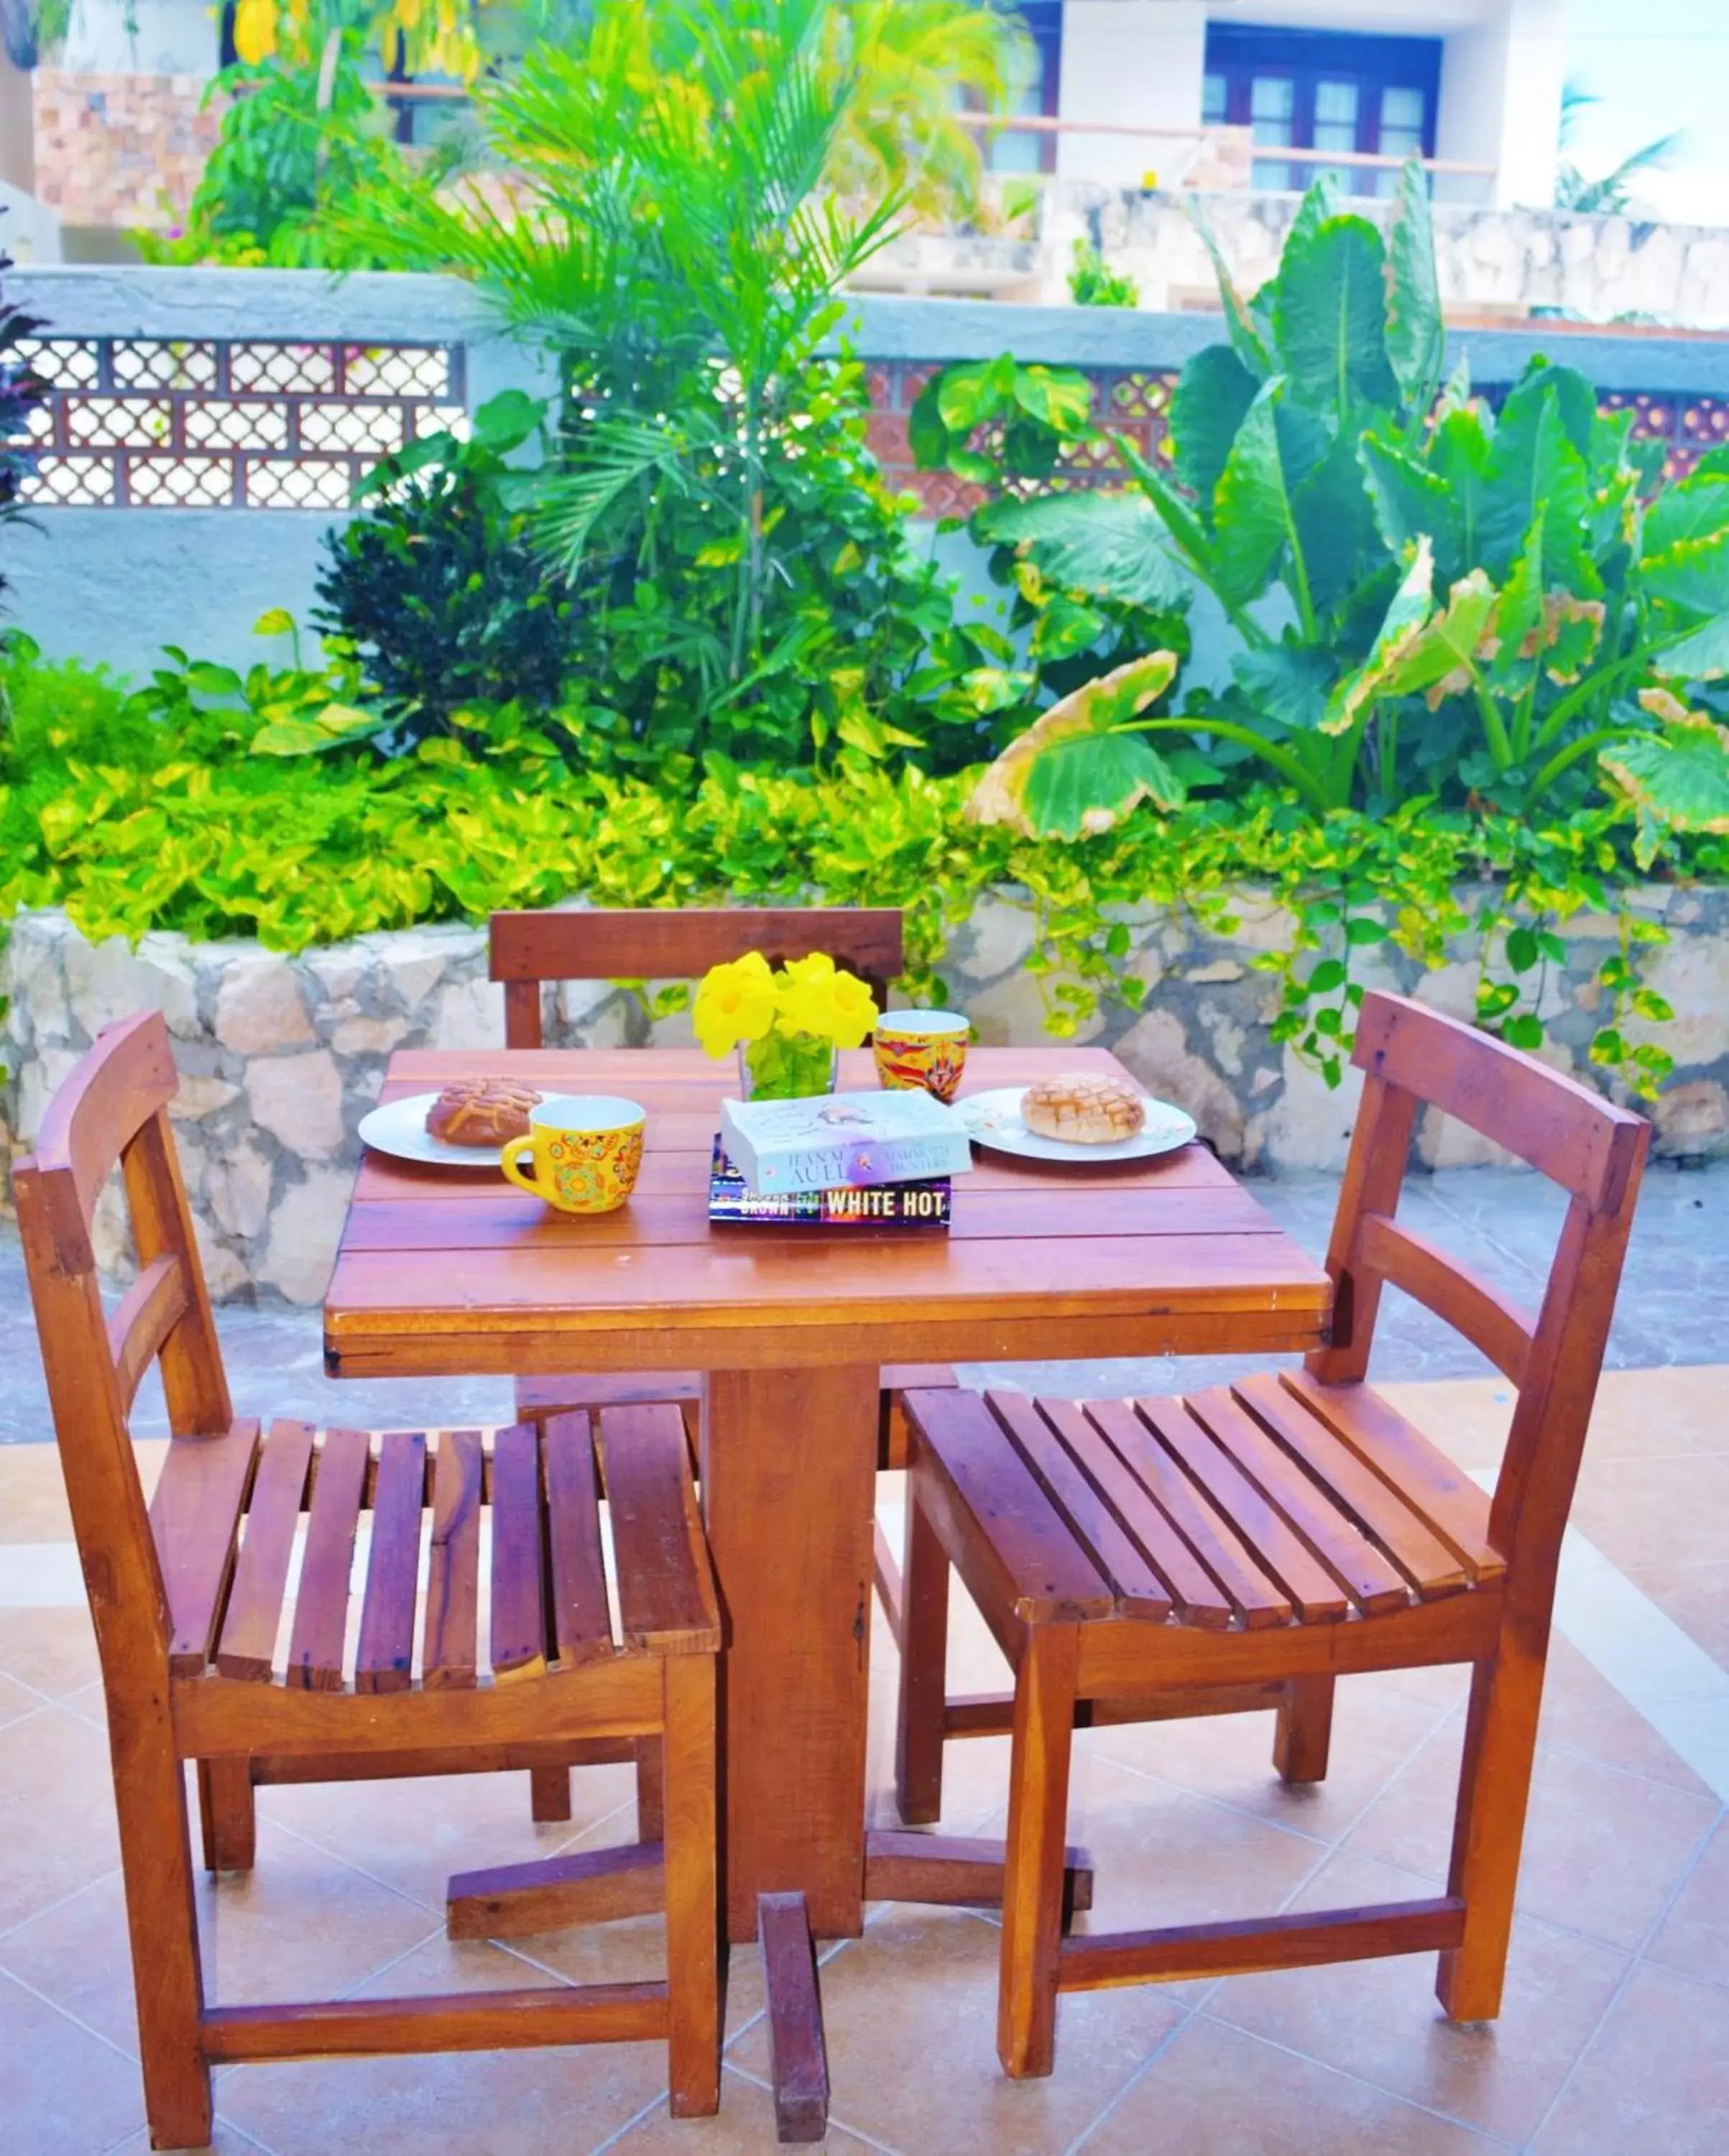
column 693, row 185
column 1432, row 599
column 1093, row 283
column 436, row 588
column 302, row 134
column 1074, row 605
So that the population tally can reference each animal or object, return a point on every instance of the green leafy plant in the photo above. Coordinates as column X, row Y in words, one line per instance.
column 436, row 586
column 302, row 139
column 151, row 810
column 214, row 711
column 687, row 206
column 1101, row 592
column 1432, row 598
column 1093, row 283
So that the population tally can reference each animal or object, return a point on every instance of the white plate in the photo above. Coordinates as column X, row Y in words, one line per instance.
column 399, row 1127
column 994, row 1120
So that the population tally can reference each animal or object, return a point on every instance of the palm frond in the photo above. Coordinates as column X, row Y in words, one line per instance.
column 609, row 459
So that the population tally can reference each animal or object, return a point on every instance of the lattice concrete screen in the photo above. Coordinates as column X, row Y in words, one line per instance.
column 136, row 423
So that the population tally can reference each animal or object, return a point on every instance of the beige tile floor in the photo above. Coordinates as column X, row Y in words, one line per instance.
column 1612, row 2039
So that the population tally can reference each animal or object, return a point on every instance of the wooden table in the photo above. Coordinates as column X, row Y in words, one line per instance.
column 443, row 1274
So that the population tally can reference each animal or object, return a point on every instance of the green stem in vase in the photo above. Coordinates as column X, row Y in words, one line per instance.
column 789, row 1066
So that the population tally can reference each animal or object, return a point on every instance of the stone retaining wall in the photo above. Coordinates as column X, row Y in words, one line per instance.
column 280, row 1058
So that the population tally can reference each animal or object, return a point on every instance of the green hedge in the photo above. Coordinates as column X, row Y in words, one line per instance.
column 131, row 824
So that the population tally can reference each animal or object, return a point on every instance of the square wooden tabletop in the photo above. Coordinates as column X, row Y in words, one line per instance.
column 445, row 1272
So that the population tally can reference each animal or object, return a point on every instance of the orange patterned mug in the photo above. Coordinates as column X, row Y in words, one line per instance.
column 582, row 1152
column 922, row 1048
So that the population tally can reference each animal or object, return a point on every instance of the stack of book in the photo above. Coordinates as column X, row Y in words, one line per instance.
column 839, row 1160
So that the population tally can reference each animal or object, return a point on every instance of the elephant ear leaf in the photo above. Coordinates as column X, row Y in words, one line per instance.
column 1415, row 340
column 1678, row 777
column 1110, row 546
column 1442, row 660
column 1702, row 655
column 1212, row 397
column 1077, row 770
column 1330, row 314
column 1278, row 447
column 1248, row 336
column 1398, row 637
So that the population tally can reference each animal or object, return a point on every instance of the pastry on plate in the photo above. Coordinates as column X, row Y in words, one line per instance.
column 1084, row 1107
column 481, row 1112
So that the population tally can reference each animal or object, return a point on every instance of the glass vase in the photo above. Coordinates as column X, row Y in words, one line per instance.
column 787, row 1066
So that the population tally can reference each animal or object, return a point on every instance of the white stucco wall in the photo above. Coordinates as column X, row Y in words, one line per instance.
column 146, row 36
column 1501, row 99
column 1138, row 63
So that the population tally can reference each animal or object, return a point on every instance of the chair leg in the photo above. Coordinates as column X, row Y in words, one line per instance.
column 1305, row 1729
column 1494, row 1786
column 650, row 1789
column 923, row 1668
column 162, row 1924
column 548, row 1794
column 1035, row 1855
column 693, row 1905
column 228, row 1815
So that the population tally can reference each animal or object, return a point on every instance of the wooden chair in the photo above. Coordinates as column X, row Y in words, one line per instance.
column 1245, row 1546
column 528, row 950
column 188, row 1603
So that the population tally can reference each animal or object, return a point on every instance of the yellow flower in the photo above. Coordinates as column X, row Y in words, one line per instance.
column 855, row 1012
column 832, row 1005
column 735, row 1002
column 255, row 30
column 817, row 967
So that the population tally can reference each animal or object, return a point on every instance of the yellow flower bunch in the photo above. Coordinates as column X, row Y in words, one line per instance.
column 746, row 1000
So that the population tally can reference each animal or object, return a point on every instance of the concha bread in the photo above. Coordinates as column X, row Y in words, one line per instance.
column 481, row 1112
column 1083, row 1107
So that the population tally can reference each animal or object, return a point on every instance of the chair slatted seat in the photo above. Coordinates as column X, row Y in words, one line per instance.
column 1296, row 1544
column 545, row 1489
column 216, row 1649
column 1247, row 1545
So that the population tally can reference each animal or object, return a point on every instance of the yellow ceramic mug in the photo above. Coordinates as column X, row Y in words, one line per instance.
column 921, row 1048
column 582, row 1152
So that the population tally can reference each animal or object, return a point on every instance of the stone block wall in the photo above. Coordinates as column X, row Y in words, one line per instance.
column 280, row 1058
column 1493, row 264
column 120, row 151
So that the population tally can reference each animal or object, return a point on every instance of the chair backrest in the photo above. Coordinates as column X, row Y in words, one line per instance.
column 1412, row 1056
column 667, row 943
column 113, row 1109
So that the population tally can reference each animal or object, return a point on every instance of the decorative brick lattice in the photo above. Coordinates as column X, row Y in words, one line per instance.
column 1130, row 402
column 1687, row 426
column 180, row 482
column 300, row 483
column 144, row 366
column 1136, row 404
column 154, row 423
column 73, row 482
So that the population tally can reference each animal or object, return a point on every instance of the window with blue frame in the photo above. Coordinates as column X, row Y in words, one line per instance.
column 1012, row 150
column 1322, row 89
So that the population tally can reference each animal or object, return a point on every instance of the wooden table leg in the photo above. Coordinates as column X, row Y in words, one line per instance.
column 788, row 1493
column 798, row 2057
column 958, row 1871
